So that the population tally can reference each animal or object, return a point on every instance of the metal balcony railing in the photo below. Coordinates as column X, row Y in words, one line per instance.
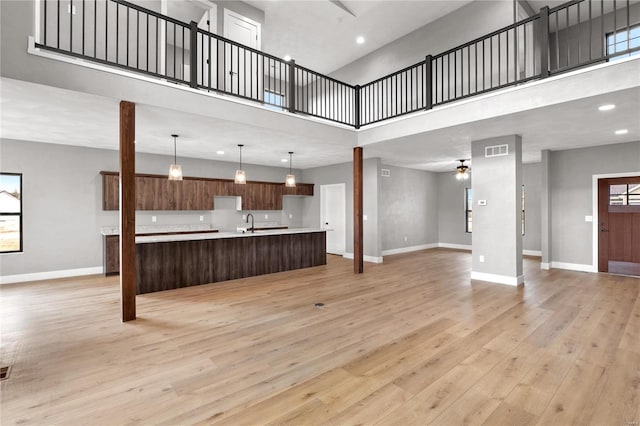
column 121, row 34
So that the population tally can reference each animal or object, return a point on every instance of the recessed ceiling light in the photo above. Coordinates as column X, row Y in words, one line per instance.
column 287, row 58
column 622, row 132
column 220, row 152
column 360, row 40
column 284, row 160
column 606, row 107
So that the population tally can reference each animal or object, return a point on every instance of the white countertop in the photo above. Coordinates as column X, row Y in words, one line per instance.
column 153, row 229
column 217, row 235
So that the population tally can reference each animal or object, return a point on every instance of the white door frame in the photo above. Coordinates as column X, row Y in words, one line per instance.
column 322, row 205
column 594, row 199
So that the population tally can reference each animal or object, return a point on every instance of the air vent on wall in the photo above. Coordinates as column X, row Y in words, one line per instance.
column 385, row 172
column 496, row 150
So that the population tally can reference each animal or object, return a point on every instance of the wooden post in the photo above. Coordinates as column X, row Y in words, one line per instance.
column 127, row 211
column 544, row 42
column 358, row 248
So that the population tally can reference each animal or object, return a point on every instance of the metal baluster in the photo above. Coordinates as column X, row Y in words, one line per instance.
column 45, row 21
column 147, row 45
column 590, row 33
column 70, row 25
column 557, row 36
column 95, row 28
column 83, row 17
column 106, row 26
column 117, row 32
column 127, row 50
column 568, row 37
column 628, row 30
column 579, row 35
column 602, row 35
column 499, row 61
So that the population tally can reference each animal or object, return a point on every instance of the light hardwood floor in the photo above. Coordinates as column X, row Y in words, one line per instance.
column 411, row 341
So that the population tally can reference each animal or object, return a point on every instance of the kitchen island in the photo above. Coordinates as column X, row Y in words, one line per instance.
column 165, row 262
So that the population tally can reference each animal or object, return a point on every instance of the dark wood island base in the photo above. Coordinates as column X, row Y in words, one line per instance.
column 176, row 264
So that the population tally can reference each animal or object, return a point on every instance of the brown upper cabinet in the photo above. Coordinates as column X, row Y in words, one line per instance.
column 156, row 192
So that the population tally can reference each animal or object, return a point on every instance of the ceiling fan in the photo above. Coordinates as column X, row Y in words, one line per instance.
column 462, row 171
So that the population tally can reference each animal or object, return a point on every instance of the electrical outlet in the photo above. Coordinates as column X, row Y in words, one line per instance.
column 290, row 215
column 406, row 239
column 481, row 258
column 201, row 218
column 364, row 217
column 154, row 219
column 244, row 217
column 266, row 216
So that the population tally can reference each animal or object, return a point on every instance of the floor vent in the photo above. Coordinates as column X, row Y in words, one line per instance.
column 318, row 305
column 4, row 373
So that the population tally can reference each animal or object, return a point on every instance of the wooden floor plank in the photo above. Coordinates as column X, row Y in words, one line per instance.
column 410, row 341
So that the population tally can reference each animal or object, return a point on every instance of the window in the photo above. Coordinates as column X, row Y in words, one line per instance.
column 10, row 212
column 623, row 40
column 522, row 195
column 273, row 100
column 624, row 194
column 468, row 209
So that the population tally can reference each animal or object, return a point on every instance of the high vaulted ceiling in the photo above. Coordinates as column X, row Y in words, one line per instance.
column 321, row 35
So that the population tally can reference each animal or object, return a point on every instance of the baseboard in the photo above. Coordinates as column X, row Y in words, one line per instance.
column 536, row 253
column 573, row 267
column 370, row 259
column 409, row 249
column 544, row 265
column 455, row 246
column 49, row 275
column 499, row 279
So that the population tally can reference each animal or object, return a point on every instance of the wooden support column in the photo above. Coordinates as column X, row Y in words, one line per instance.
column 127, row 211
column 358, row 248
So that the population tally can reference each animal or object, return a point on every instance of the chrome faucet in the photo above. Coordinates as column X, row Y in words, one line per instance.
column 252, row 228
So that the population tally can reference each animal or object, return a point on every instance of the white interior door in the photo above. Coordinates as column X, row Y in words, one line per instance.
column 333, row 216
column 238, row 61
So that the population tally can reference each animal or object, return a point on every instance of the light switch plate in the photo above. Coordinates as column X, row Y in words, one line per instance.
column 154, row 219
column 364, row 217
column 290, row 215
column 266, row 216
column 201, row 218
column 481, row 259
column 588, row 218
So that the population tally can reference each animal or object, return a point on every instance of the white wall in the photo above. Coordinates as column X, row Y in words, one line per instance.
column 62, row 201
column 465, row 24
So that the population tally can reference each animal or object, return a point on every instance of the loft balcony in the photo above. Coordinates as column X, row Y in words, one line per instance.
column 128, row 38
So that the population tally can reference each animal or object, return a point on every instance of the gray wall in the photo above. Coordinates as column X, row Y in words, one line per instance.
column 571, row 184
column 409, row 208
column 62, row 196
column 497, row 226
column 451, row 219
column 343, row 173
column 465, row 24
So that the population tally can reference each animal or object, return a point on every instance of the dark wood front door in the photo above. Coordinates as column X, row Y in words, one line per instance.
column 619, row 225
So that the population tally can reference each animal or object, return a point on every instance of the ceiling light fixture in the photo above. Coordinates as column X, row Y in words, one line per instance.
column 287, row 58
column 220, row 152
column 175, row 170
column 240, row 177
column 606, row 107
column 462, row 171
column 621, row 132
column 290, row 181
column 360, row 40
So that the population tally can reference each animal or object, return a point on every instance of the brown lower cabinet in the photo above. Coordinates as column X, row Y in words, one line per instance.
column 156, row 192
column 177, row 264
column 111, row 253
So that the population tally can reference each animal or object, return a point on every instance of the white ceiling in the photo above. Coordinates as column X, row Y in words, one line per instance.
column 575, row 124
column 321, row 35
column 45, row 114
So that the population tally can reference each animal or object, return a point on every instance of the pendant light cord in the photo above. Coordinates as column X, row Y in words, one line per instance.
column 240, row 158
column 175, row 151
column 290, row 161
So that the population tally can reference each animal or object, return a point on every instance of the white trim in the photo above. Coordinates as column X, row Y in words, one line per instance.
column 455, row 246
column 37, row 276
column 370, row 259
column 409, row 249
column 545, row 266
column 594, row 203
column 537, row 253
column 574, row 267
column 31, row 49
column 499, row 279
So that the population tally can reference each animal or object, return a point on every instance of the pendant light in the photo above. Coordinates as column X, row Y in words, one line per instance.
column 290, row 181
column 175, row 170
column 240, row 177
column 462, row 171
